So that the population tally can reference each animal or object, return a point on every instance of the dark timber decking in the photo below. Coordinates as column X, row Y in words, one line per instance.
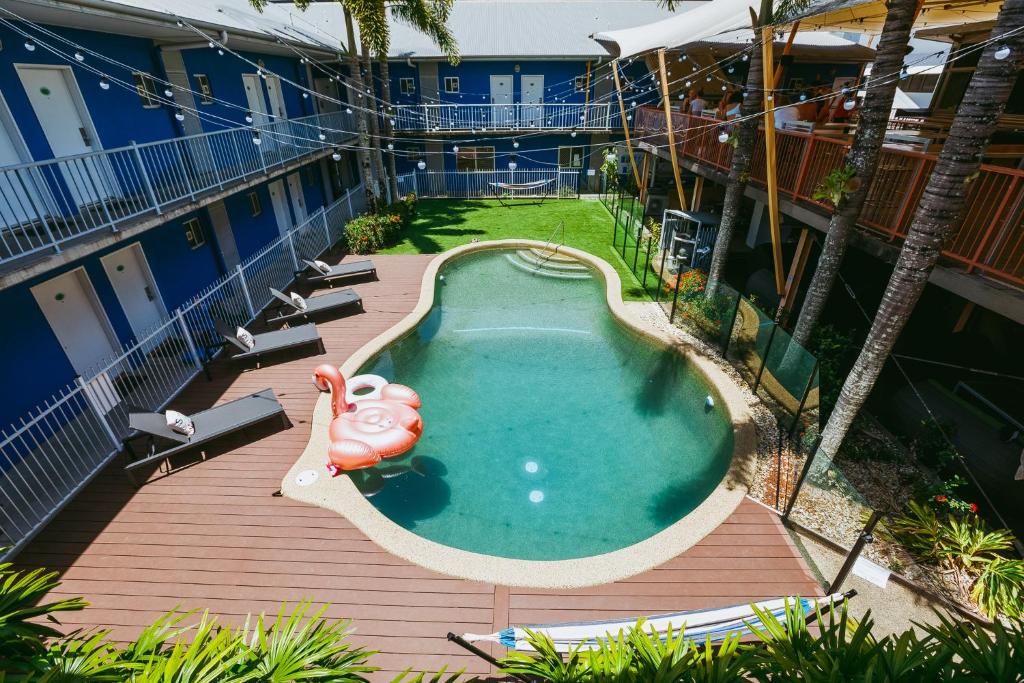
column 211, row 536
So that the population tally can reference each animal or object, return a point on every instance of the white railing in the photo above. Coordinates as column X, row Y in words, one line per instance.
column 563, row 183
column 540, row 116
column 43, row 204
column 54, row 451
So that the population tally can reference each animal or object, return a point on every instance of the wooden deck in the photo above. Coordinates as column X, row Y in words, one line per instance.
column 212, row 536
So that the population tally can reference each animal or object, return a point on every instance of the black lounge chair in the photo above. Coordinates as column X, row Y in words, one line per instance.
column 286, row 311
column 210, row 425
column 266, row 342
column 314, row 275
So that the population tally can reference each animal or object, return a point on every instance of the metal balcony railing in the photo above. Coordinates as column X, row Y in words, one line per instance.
column 538, row 116
column 44, row 204
column 989, row 240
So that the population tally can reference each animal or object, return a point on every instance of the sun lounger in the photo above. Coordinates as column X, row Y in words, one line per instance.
column 313, row 275
column 265, row 342
column 698, row 625
column 286, row 310
column 210, row 425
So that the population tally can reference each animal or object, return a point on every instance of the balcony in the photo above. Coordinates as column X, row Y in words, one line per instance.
column 505, row 117
column 45, row 206
column 990, row 240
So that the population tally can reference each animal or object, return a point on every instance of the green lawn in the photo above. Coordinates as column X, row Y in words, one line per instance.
column 446, row 223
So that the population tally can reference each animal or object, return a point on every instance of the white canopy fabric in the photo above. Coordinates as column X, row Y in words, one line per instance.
column 724, row 16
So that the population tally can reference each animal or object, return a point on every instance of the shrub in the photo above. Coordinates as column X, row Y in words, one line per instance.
column 370, row 232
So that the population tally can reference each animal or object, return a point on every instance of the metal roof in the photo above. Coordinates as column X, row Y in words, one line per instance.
column 510, row 29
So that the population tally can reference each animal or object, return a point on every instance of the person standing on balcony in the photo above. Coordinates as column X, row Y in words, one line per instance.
column 784, row 112
column 694, row 104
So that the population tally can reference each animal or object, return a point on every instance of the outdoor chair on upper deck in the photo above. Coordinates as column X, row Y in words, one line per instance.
column 201, row 429
column 318, row 272
column 294, row 307
column 254, row 346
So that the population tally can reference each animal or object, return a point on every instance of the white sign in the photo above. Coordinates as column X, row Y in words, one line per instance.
column 871, row 572
column 591, row 171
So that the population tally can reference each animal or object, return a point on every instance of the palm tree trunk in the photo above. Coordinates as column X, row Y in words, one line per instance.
column 939, row 212
column 365, row 167
column 863, row 158
column 739, row 167
column 374, row 115
column 389, row 130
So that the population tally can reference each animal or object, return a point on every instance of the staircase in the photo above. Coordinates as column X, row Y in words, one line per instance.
column 549, row 264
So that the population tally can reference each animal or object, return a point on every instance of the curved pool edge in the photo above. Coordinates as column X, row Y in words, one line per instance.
column 341, row 496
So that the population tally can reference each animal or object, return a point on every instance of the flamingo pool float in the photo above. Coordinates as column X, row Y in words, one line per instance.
column 370, row 427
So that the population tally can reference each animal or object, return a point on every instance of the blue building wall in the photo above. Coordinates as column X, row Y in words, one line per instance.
column 225, row 76
column 117, row 114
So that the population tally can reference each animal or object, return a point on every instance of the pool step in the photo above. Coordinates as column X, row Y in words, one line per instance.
column 551, row 261
column 537, row 267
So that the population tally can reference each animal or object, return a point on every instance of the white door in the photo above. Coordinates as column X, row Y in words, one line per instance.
column 533, row 94
column 297, row 197
column 21, row 191
column 254, row 97
column 276, row 97
column 225, row 237
column 74, row 312
column 280, row 204
column 136, row 289
column 502, row 111
column 58, row 104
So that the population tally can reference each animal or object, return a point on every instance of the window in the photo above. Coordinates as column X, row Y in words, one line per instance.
column 407, row 86
column 205, row 91
column 451, row 84
column 570, row 157
column 194, row 233
column 919, row 83
column 581, row 83
column 475, row 159
column 255, row 207
column 146, row 88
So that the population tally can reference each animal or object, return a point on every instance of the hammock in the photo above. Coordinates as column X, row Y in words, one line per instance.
column 697, row 625
column 499, row 188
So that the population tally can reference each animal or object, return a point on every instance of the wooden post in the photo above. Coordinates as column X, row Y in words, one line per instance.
column 625, row 123
column 643, row 180
column 698, row 190
column 768, row 60
column 779, row 72
column 796, row 272
column 965, row 315
column 666, row 100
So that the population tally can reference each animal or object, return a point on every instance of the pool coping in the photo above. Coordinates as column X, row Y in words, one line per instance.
column 340, row 495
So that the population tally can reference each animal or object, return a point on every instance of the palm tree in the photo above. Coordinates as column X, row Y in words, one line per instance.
column 373, row 113
column 861, row 162
column 938, row 213
column 739, row 167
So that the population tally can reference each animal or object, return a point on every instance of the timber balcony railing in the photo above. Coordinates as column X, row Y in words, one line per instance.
column 44, row 204
column 537, row 116
column 990, row 240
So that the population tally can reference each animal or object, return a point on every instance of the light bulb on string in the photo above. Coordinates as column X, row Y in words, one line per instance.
column 179, row 114
column 745, row 57
column 573, row 133
column 336, row 155
column 515, row 144
column 256, row 139
column 512, row 165
column 682, row 57
column 305, row 95
column 421, row 164
column 30, row 45
column 708, row 79
column 220, row 52
column 79, row 57
column 455, row 149
column 348, row 110
column 248, row 117
column 688, row 83
column 848, row 105
column 211, row 45
column 104, row 83
column 391, row 147
column 322, row 135
column 731, row 69
column 1002, row 52
column 803, row 96
column 723, row 137
column 168, row 92
column 725, row 87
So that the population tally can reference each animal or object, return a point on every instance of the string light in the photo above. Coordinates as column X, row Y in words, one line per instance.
column 30, row 45
column 248, row 117
column 723, row 137
column 321, row 135
column 391, row 146
column 455, row 149
column 336, row 155
column 79, row 57
column 848, row 105
column 168, row 92
column 179, row 114
column 421, row 164
column 104, row 83
column 1002, row 52
column 256, row 139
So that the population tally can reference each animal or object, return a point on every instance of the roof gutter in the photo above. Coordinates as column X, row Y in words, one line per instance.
column 195, row 44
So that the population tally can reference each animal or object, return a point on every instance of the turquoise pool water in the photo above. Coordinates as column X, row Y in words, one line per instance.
column 551, row 432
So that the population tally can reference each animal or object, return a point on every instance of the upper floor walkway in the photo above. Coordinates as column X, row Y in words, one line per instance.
column 48, row 207
column 989, row 241
column 602, row 116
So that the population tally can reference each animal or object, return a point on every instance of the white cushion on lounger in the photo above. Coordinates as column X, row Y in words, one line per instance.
column 322, row 267
column 245, row 337
column 299, row 302
column 182, row 424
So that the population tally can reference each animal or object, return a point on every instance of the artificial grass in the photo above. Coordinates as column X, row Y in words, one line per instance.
column 442, row 224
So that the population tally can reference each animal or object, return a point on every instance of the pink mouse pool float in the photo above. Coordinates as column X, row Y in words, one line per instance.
column 369, row 427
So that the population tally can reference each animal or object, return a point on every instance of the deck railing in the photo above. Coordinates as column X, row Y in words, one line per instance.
column 519, row 116
column 990, row 239
column 57, row 448
column 559, row 182
column 44, row 204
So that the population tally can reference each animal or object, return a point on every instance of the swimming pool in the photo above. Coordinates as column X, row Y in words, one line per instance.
column 551, row 430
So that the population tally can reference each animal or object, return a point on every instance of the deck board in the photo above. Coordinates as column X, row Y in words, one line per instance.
column 211, row 536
